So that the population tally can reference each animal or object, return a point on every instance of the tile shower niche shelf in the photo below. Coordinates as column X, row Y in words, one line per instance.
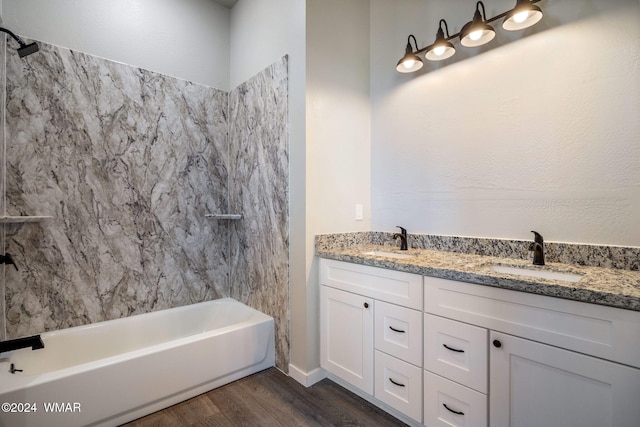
column 22, row 219
column 224, row 216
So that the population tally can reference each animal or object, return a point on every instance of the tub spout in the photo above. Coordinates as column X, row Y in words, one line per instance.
column 35, row 342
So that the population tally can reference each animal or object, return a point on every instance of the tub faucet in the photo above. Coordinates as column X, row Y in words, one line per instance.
column 8, row 259
column 403, row 238
column 538, row 248
column 35, row 342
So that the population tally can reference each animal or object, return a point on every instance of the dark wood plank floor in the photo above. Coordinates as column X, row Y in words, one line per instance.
column 270, row 398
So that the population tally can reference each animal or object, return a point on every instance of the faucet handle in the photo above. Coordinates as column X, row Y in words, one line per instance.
column 402, row 229
column 537, row 237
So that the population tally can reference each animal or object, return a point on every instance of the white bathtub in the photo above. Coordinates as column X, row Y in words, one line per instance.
column 112, row 372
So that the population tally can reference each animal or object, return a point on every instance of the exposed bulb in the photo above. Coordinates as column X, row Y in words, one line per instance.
column 475, row 36
column 520, row 17
column 409, row 63
column 439, row 50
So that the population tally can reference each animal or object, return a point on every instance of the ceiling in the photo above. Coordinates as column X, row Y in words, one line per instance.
column 226, row 3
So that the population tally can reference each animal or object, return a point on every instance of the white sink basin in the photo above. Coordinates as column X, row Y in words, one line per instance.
column 389, row 254
column 544, row 274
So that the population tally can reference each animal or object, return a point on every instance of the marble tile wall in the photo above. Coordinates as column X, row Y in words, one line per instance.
column 128, row 162
column 258, row 188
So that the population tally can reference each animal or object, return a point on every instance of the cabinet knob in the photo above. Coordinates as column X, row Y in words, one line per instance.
column 497, row 343
column 366, row 305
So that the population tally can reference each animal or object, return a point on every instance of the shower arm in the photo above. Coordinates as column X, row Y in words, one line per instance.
column 16, row 38
column 24, row 49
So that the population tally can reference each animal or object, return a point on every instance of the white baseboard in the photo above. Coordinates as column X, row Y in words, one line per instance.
column 307, row 379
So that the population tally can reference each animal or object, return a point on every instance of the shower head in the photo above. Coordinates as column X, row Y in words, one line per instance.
column 27, row 49
column 24, row 49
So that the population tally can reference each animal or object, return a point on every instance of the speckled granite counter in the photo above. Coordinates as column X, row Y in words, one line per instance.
column 605, row 286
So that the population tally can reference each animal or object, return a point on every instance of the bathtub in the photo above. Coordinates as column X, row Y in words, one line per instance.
column 112, row 372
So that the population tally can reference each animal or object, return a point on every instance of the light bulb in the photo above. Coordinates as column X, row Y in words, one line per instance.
column 520, row 17
column 439, row 50
column 475, row 36
column 409, row 63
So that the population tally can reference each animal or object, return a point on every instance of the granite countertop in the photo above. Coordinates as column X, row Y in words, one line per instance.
column 604, row 286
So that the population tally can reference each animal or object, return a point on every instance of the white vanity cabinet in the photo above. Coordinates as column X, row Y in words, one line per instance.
column 438, row 352
column 371, row 332
column 548, row 361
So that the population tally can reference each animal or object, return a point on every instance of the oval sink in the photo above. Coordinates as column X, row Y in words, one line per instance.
column 389, row 254
column 543, row 274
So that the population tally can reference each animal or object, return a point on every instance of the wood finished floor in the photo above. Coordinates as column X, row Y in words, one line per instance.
column 270, row 398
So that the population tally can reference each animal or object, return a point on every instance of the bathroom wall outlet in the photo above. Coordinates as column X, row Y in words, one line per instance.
column 359, row 212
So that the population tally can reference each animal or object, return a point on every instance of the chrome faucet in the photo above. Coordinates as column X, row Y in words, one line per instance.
column 538, row 248
column 403, row 238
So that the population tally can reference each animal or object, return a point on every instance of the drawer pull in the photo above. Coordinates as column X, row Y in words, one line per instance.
column 396, row 330
column 366, row 305
column 452, row 349
column 398, row 384
column 451, row 410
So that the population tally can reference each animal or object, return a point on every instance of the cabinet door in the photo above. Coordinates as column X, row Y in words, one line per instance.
column 347, row 337
column 534, row 385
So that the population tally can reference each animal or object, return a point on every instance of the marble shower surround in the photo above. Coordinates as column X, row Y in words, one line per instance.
column 258, row 187
column 127, row 162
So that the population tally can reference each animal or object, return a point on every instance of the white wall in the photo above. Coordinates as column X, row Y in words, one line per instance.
column 541, row 133
column 188, row 39
column 338, row 115
column 337, row 139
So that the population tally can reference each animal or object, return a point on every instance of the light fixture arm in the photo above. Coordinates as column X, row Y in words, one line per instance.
column 440, row 32
column 409, row 47
column 477, row 14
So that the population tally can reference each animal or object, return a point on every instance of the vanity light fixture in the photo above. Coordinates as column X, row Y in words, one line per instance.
column 475, row 33
column 441, row 48
column 410, row 62
column 524, row 15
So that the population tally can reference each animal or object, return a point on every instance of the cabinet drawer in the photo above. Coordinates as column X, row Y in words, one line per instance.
column 391, row 286
column 456, row 351
column 597, row 330
column 450, row 404
column 399, row 385
column 398, row 332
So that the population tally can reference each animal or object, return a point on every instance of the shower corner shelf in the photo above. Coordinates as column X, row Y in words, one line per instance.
column 224, row 216
column 21, row 219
